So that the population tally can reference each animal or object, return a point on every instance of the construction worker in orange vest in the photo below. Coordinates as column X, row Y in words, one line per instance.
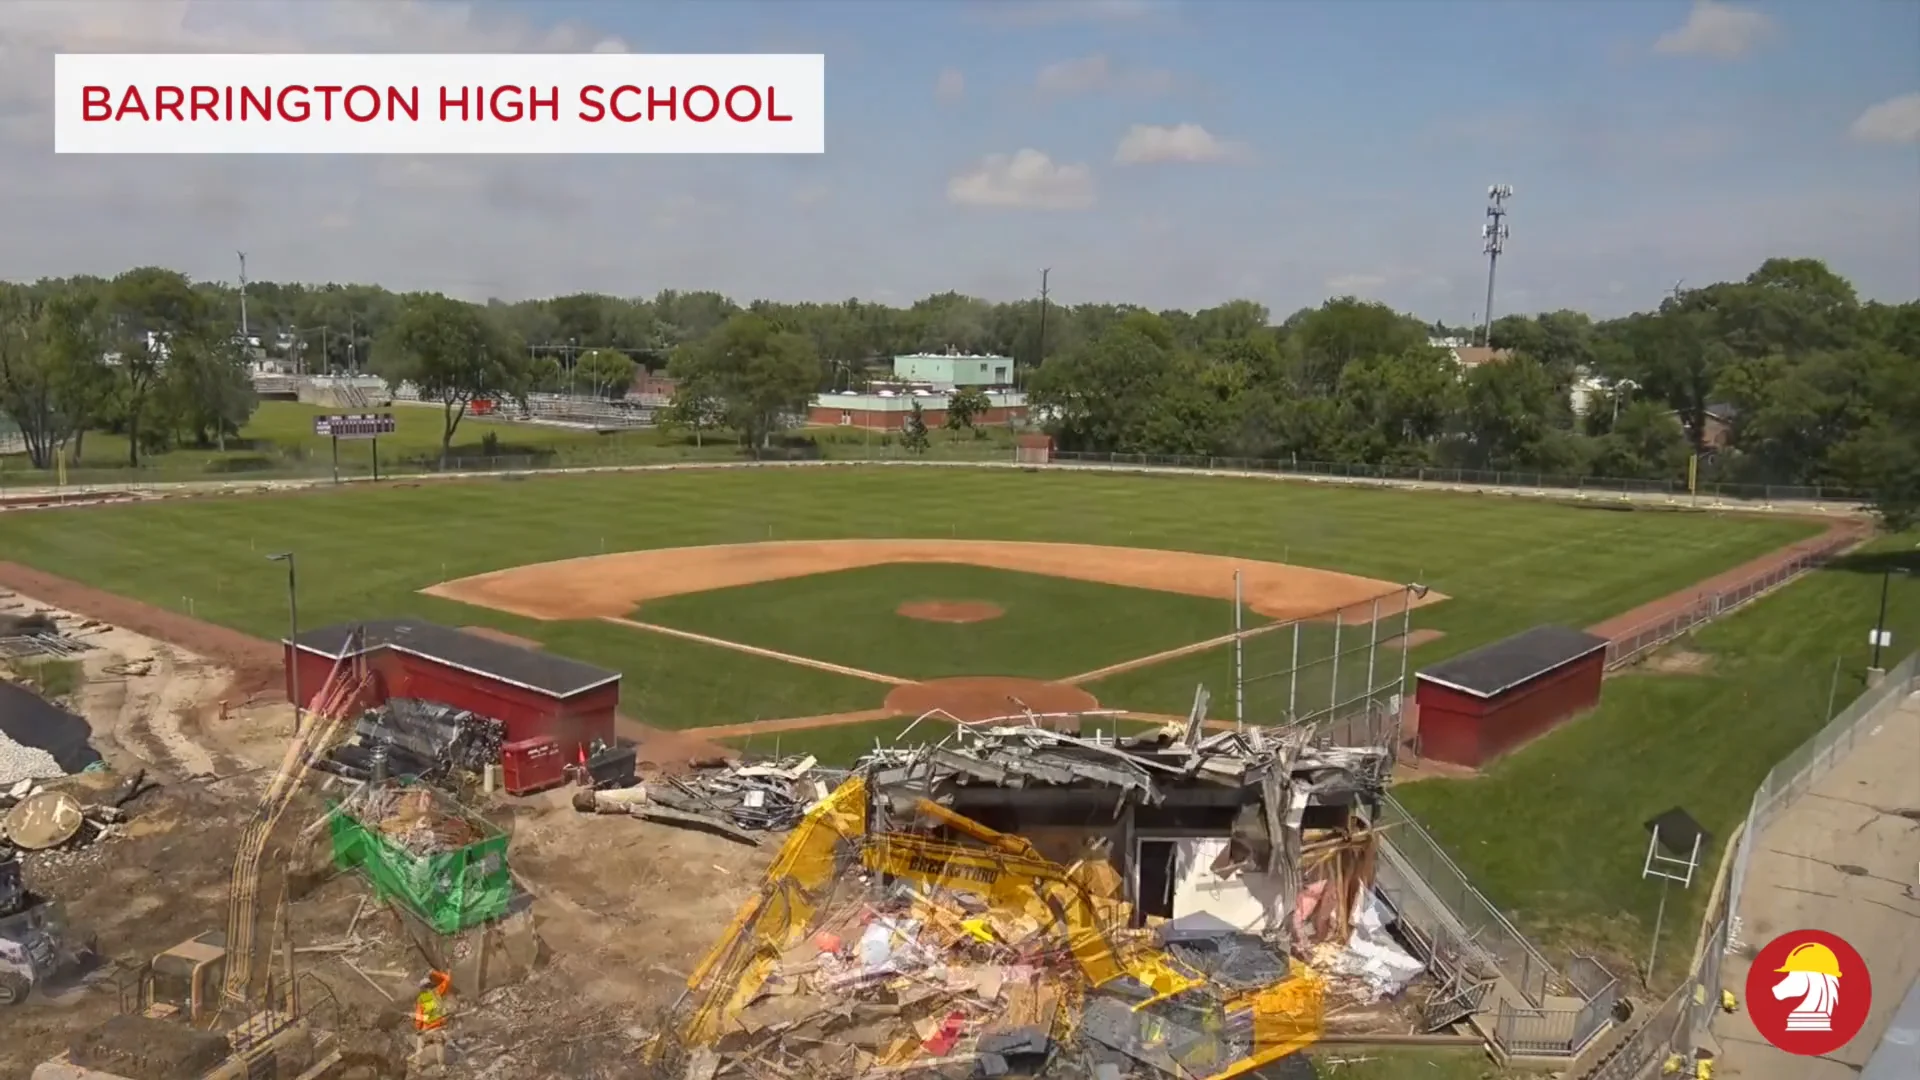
column 430, row 1020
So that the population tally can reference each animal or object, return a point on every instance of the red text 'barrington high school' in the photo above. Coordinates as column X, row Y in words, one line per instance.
column 507, row 104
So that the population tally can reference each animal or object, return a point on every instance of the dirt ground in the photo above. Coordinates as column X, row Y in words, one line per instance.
column 623, row 908
column 949, row 611
column 1628, row 622
column 985, row 698
column 616, row 584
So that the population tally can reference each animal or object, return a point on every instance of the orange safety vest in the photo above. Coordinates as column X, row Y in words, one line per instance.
column 429, row 1014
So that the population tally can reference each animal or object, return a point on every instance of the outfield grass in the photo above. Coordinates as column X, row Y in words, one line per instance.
column 364, row 551
column 1553, row 833
column 1050, row 628
column 278, row 441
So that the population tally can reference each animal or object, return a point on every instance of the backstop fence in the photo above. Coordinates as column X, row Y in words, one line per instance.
column 1340, row 673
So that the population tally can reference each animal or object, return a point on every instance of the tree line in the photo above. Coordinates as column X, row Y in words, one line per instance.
column 1784, row 377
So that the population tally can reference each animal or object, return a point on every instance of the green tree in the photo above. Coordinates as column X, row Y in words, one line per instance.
column 453, row 353
column 913, row 430
column 604, row 372
column 967, row 404
column 748, row 373
column 206, row 389
column 1514, row 416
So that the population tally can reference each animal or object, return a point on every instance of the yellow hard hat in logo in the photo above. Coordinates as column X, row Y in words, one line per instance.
column 1813, row 958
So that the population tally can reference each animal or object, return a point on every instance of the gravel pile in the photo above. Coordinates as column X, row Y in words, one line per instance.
column 19, row 763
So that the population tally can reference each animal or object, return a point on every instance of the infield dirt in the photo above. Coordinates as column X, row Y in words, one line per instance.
column 613, row 585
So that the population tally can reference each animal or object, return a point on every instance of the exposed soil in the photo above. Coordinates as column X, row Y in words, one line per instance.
column 256, row 665
column 982, row 698
column 1627, row 623
column 949, row 611
column 502, row 637
column 614, row 585
column 1679, row 662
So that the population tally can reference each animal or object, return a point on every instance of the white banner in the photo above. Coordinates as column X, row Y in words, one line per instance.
column 511, row 103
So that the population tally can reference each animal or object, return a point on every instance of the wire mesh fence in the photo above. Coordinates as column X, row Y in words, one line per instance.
column 1685, row 1019
column 1643, row 640
column 1343, row 669
column 1676, row 487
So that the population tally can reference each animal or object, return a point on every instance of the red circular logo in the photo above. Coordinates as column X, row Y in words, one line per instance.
column 1808, row 992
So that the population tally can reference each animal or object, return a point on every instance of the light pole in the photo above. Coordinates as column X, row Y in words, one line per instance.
column 1623, row 384
column 293, row 636
column 1880, row 624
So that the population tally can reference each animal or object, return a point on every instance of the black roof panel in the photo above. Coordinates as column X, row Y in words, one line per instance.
column 1503, row 665
column 540, row 671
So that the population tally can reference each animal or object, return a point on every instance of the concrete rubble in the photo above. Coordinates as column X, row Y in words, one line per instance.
column 981, row 907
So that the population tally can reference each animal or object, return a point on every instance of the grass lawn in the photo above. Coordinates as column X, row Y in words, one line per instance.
column 1553, row 833
column 365, row 551
column 1050, row 628
column 279, row 441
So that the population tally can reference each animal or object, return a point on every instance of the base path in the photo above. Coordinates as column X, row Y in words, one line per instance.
column 598, row 586
column 1627, row 623
column 755, row 650
column 1839, row 859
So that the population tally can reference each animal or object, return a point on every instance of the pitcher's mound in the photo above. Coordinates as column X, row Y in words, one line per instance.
column 949, row 611
column 983, row 698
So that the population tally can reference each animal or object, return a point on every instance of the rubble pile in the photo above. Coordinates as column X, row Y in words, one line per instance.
column 729, row 799
column 410, row 819
column 410, row 737
column 38, row 818
column 987, row 906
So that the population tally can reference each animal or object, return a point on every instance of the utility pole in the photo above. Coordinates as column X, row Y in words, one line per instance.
column 1494, row 235
column 243, row 295
column 1042, row 358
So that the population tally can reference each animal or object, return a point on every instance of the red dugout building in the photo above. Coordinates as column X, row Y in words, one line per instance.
column 532, row 693
column 1479, row 705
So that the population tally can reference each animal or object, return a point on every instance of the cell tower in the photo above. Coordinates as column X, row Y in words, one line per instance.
column 1494, row 235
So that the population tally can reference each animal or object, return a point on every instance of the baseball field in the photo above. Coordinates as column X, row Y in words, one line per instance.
column 735, row 598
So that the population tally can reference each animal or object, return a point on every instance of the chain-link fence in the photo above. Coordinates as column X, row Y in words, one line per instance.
column 1599, row 485
column 1686, row 1017
column 1642, row 640
column 1340, row 673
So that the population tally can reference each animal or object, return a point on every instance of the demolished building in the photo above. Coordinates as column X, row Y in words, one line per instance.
column 1020, row 900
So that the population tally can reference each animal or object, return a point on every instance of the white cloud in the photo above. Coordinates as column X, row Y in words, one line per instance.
column 1149, row 144
column 1895, row 120
column 1716, row 29
column 1098, row 75
column 1355, row 284
column 1027, row 179
column 950, row 86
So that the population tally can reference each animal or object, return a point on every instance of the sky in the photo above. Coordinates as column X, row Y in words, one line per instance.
column 1145, row 151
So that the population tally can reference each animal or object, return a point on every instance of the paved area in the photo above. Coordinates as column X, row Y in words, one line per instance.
column 1806, row 873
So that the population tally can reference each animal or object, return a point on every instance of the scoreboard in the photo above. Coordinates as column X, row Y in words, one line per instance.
column 354, row 425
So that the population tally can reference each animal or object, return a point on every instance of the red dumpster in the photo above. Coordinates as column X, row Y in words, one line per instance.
column 532, row 765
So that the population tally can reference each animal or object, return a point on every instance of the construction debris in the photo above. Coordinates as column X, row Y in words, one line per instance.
column 730, row 798
column 1002, row 902
column 421, row 739
column 37, row 634
column 35, row 818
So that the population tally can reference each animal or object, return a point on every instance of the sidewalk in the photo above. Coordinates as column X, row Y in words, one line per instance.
column 1852, row 818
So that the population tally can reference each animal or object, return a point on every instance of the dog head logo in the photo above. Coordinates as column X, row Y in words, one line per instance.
column 1808, row 992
